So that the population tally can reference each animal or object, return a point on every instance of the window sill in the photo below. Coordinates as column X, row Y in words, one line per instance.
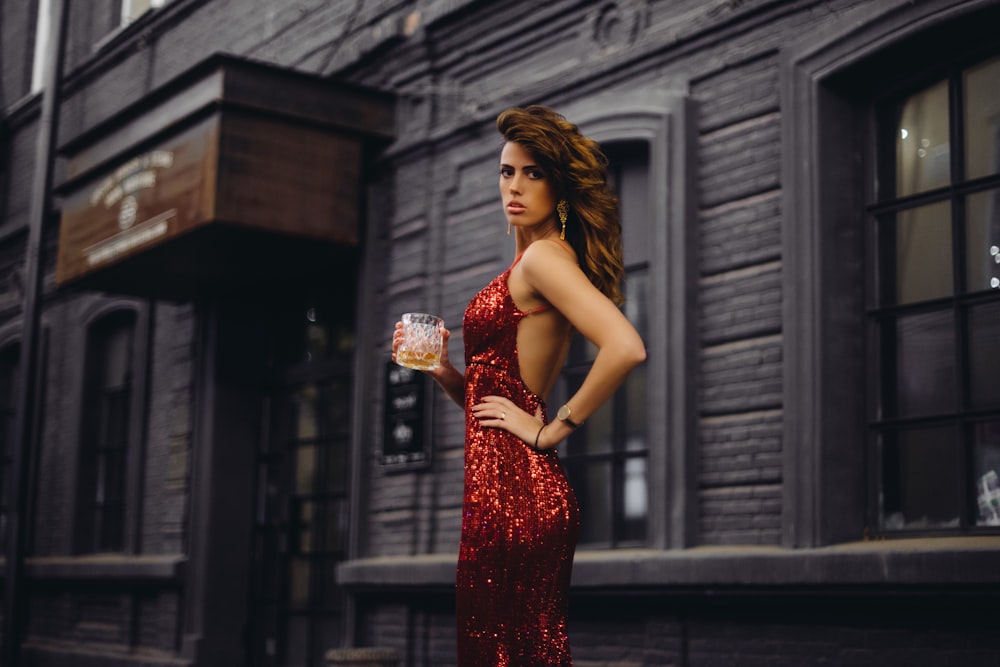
column 918, row 562
column 104, row 567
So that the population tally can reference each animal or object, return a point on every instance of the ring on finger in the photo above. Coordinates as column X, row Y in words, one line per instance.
column 503, row 416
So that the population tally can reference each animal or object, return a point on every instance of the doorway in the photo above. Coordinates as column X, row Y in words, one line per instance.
column 300, row 526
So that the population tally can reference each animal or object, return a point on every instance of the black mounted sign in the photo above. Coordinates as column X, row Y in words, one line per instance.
column 406, row 427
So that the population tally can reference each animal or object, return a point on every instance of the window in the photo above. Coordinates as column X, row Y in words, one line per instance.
column 607, row 458
column 630, row 464
column 41, row 46
column 935, row 303
column 858, row 435
column 10, row 367
column 133, row 9
column 108, row 389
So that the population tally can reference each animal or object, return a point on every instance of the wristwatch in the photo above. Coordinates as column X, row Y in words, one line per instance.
column 563, row 415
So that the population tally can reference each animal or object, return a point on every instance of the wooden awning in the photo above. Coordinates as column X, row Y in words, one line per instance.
column 235, row 174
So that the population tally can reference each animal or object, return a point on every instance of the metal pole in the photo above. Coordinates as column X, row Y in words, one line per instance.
column 15, row 609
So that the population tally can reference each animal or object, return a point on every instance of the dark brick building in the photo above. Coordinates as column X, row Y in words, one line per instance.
column 212, row 211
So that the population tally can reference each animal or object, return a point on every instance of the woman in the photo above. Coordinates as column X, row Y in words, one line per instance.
column 520, row 518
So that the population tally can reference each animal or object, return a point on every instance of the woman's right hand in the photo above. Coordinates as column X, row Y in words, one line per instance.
column 397, row 339
column 445, row 375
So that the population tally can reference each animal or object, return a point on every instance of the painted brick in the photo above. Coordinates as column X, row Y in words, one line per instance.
column 741, row 304
column 741, row 377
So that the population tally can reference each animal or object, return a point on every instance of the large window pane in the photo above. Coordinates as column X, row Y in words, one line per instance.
column 982, row 119
column 637, row 300
column 636, row 497
column 335, row 408
column 305, row 469
column 41, row 55
column 628, row 172
column 921, row 473
column 306, row 417
column 593, row 487
column 986, row 441
column 984, row 356
column 333, row 468
column 300, row 578
column 635, row 409
column 917, row 254
column 925, row 364
column 334, row 524
column 597, row 435
column 606, row 459
column 297, row 644
column 133, row 9
column 922, row 145
column 936, row 313
column 104, row 437
column 982, row 244
column 305, row 524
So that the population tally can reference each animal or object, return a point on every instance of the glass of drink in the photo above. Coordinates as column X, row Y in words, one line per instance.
column 421, row 344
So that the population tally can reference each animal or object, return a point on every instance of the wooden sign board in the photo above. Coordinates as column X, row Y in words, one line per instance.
column 234, row 172
column 239, row 170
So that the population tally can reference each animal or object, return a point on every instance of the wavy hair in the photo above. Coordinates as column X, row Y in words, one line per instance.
column 579, row 171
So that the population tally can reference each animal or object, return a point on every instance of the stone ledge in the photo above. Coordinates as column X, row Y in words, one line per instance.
column 106, row 567
column 362, row 657
column 920, row 562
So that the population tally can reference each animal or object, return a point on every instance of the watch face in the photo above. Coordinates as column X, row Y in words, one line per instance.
column 563, row 413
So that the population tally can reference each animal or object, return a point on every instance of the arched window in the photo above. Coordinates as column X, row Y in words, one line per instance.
column 630, row 464
column 607, row 461
column 104, row 450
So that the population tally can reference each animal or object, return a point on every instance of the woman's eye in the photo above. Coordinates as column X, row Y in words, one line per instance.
column 536, row 174
column 506, row 171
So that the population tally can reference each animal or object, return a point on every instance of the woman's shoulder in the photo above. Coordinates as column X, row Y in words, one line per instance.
column 547, row 249
column 549, row 261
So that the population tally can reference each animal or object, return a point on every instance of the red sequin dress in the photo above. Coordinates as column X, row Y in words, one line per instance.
column 520, row 518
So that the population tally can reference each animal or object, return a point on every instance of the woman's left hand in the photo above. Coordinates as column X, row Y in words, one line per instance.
column 501, row 412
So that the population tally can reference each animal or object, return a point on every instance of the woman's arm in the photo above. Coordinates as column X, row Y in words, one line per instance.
column 554, row 275
column 446, row 375
column 452, row 381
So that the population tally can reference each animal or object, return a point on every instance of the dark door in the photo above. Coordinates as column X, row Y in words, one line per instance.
column 301, row 513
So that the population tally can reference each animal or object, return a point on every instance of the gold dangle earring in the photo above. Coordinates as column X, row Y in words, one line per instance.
column 562, row 208
column 508, row 228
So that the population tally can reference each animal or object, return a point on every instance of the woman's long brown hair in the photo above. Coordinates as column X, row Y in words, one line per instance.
column 579, row 171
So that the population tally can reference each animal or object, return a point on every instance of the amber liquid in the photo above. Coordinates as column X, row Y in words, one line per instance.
column 421, row 361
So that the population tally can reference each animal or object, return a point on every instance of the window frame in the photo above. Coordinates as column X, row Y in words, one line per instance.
column 137, row 411
column 956, row 306
column 616, row 456
column 40, row 46
column 827, row 158
column 663, row 120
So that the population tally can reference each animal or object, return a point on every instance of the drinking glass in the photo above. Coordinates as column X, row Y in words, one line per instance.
column 421, row 344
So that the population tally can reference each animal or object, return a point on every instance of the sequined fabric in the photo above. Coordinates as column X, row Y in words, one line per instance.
column 520, row 518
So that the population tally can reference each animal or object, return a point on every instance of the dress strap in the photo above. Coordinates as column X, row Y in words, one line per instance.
column 537, row 309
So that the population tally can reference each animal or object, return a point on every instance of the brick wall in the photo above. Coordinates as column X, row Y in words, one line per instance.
column 437, row 229
column 17, row 41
